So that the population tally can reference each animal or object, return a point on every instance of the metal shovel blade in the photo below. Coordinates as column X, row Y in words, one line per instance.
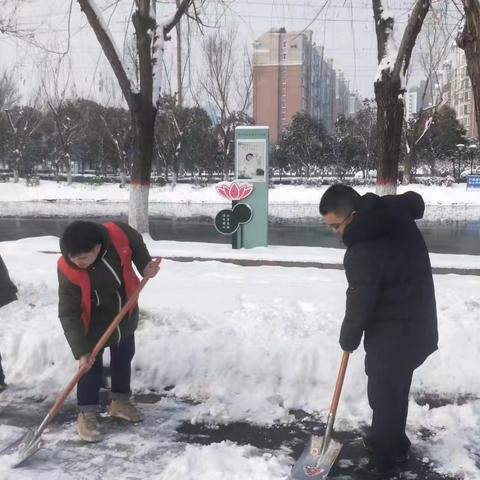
column 23, row 448
column 313, row 464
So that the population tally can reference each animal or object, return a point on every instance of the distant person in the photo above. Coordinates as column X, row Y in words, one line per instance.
column 96, row 278
column 391, row 302
column 8, row 294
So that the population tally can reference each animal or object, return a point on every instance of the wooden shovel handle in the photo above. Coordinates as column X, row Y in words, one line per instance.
column 100, row 344
column 339, row 384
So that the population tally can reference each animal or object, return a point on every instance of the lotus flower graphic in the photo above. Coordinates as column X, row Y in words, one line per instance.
column 234, row 191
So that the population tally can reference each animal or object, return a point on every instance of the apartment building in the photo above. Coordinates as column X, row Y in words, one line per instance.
column 291, row 75
column 461, row 94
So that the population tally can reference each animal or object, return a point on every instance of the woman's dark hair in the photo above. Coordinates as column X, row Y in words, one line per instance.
column 80, row 237
column 339, row 199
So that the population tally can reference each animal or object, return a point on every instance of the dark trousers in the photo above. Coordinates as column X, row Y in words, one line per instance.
column 88, row 388
column 388, row 390
column 2, row 376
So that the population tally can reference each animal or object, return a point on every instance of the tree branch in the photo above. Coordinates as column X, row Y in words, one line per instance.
column 109, row 50
column 383, row 27
column 410, row 35
column 182, row 9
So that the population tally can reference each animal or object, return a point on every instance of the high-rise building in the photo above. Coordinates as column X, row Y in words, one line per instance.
column 342, row 96
column 281, row 78
column 461, row 94
column 355, row 105
column 291, row 75
column 323, row 91
column 412, row 102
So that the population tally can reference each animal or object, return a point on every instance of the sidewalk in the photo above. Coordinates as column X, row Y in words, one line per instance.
column 285, row 256
column 272, row 256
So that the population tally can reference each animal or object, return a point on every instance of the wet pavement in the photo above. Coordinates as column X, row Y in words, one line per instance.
column 289, row 438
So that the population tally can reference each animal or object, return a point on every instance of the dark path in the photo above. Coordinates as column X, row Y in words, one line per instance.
column 293, row 437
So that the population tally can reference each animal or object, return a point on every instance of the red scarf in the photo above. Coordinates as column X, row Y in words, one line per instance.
column 81, row 278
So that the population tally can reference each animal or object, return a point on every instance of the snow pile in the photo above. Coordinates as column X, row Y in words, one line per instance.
column 225, row 460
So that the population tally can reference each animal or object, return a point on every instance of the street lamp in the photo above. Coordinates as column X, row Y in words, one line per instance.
column 461, row 148
column 472, row 150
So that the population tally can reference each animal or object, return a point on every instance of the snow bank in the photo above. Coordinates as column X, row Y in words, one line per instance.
column 286, row 202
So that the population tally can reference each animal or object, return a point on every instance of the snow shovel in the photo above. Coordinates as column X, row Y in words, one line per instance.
column 320, row 453
column 26, row 446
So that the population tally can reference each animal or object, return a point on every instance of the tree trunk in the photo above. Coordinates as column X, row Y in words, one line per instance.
column 143, row 105
column 16, row 174
column 144, row 123
column 411, row 156
column 225, row 167
column 389, row 90
column 469, row 41
column 390, row 122
column 410, row 160
column 68, row 167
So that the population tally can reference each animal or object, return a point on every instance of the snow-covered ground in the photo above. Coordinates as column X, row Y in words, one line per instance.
column 288, row 202
column 246, row 344
column 438, row 195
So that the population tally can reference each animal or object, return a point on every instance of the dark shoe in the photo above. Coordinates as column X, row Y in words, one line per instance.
column 372, row 470
column 398, row 459
column 367, row 444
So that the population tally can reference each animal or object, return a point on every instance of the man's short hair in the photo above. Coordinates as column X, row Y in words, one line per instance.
column 81, row 237
column 339, row 199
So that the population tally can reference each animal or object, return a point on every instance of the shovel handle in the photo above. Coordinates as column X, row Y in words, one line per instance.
column 103, row 339
column 339, row 384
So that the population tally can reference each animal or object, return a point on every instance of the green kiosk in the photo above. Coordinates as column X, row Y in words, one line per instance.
column 247, row 221
column 251, row 166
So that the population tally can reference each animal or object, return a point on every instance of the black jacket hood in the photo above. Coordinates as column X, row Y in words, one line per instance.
column 378, row 217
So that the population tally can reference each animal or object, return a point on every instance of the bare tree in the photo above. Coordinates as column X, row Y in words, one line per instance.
column 8, row 15
column 227, row 88
column 142, row 102
column 469, row 41
column 55, row 95
column 9, row 95
column 121, row 141
column 389, row 90
column 24, row 122
column 434, row 46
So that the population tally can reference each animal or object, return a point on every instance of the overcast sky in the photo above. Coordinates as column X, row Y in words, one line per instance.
column 344, row 27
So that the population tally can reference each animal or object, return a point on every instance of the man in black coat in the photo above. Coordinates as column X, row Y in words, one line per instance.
column 390, row 301
column 8, row 294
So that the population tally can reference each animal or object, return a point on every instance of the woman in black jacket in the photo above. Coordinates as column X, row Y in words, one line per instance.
column 8, row 294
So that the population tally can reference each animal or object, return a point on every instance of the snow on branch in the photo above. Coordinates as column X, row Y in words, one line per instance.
column 161, row 34
column 109, row 47
column 394, row 61
column 157, row 64
column 182, row 10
